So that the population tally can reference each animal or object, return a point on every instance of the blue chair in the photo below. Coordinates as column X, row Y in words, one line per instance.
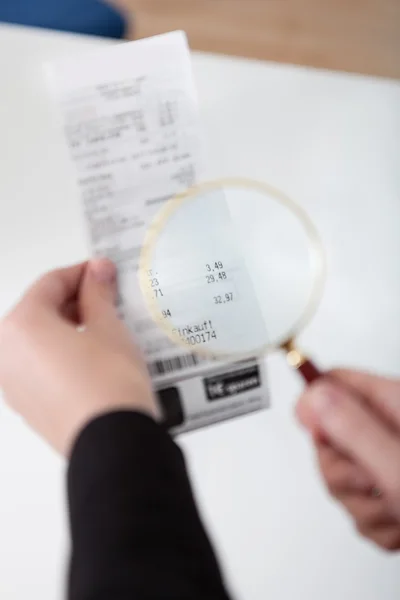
column 93, row 17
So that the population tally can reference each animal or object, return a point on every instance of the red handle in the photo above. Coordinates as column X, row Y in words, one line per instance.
column 309, row 371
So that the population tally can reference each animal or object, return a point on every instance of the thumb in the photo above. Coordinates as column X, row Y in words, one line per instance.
column 98, row 295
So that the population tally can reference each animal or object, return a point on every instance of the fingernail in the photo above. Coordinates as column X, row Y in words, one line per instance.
column 103, row 270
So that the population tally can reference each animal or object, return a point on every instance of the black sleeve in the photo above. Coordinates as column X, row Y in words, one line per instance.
column 136, row 532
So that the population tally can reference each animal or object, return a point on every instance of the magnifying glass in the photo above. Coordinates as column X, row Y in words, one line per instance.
column 233, row 269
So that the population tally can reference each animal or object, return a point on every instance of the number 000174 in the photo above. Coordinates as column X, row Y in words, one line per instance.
column 201, row 338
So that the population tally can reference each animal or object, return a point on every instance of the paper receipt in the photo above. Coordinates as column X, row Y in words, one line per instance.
column 131, row 121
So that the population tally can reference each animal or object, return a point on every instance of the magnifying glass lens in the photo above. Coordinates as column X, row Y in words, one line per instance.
column 231, row 269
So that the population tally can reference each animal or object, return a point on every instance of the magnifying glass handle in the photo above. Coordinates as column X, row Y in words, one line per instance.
column 309, row 371
column 301, row 363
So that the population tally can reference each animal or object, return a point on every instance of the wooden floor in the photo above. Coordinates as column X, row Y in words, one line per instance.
column 352, row 35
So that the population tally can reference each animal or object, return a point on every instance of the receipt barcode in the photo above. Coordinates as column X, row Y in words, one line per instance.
column 176, row 363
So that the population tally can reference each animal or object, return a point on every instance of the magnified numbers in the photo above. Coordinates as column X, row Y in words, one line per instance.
column 157, row 291
column 228, row 297
column 216, row 273
column 154, row 284
column 196, row 333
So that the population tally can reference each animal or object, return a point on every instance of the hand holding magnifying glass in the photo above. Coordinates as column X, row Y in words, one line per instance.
column 354, row 419
column 233, row 269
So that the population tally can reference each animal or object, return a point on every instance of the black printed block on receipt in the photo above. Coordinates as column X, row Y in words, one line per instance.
column 231, row 384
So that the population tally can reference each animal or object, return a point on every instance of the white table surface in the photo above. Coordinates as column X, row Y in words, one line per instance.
column 332, row 141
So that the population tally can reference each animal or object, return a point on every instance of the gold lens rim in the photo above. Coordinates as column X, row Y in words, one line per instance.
column 317, row 255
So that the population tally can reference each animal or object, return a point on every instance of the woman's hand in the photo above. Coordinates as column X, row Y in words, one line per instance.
column 59, row 378
column 354, row 419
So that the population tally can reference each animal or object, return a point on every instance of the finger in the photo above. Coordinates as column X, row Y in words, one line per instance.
column 367, row 511
column 371, row 515
column 57, row 288
column 342, row 477
column 98, row 296
column 386, row 537
column 306, row 416
column 381, row 393
column 355, row 431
